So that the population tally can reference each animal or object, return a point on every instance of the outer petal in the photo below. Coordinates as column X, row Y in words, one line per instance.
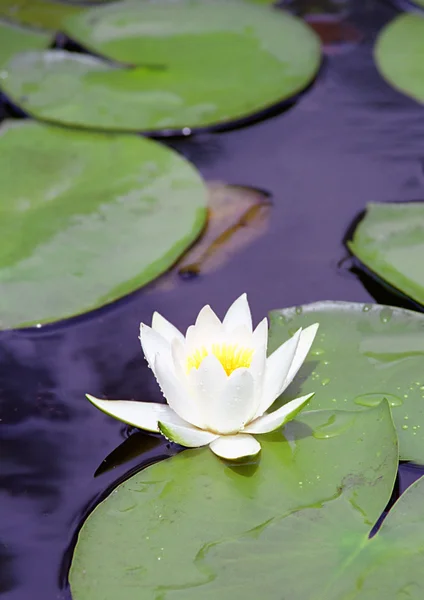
column 175, row 393
column 306, row 340
column 153, row 344
column 260, row 335
column 207, row 384
column 277, row 368
column 238, row 314
column 168, row 331
column 144, row 415
column 279, row 417
column 233, row 447
column 186, row 435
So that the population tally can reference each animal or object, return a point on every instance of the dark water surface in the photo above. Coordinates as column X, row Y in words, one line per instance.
column 350, row 140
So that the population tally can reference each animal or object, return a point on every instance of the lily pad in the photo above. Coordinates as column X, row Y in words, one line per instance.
column 399, row 55
column 153, row 534
column 15, row 39
column 362, row 354
column 88, row 218
column 323, row 554
column 188, row 79
column 196, row 34
column 390, row 242
column 38, row 13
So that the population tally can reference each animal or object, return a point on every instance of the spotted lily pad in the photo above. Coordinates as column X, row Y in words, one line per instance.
column 87, row 218
column 37, row 13
column 362, row 354
column 200, row 64
column 390, row 242
column 162, row 531
column 399, row 54
column 15, row 39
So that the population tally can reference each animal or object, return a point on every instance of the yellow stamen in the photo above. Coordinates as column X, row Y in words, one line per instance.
column 231, row 357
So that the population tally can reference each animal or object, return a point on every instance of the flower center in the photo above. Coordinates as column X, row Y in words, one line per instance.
column 231, row 357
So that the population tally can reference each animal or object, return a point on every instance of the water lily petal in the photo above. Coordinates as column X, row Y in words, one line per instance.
column 144, row 415
column 233, row 447
column 186, row 435
column 176, row 395
column 166, row 329
column 206, row 331
column 306, row 340
column 207, row 383
column 260, row 335
column 277, row 368
column 274, row 420
column 234, row 406
column 153, row 344
column 238, row 314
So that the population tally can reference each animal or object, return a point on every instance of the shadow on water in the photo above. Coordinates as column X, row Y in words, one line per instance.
column 349, row 140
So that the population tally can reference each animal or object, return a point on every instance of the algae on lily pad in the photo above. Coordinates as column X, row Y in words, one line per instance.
column 88, row 218
column 399, row 53
column 199, row 65
column 362, row 353
column 390, row 242
column 15, row 39
column 44, row 14
column 158, row 533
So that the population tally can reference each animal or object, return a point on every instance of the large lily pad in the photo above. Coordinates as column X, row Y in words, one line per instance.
column 390, row 242
column 38, row 13
column 18, row 39
column 153, row 534
column 399, row 54
column 243, row 60
column 323, row 554
column 87, row 218
column 362, row 353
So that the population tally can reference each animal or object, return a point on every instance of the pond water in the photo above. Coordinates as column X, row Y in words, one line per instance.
column 349, row 140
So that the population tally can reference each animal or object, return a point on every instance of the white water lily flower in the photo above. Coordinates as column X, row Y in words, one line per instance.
column 217, row 381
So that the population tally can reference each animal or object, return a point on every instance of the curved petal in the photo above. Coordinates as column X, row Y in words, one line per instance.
column 206, row 330
column 278, row 418
column 306, row 340
column 238, row 314
column 234, row 447
column 234, row 406
column 207, row 383
column 176, row 394
column 144, row 415
column 166, row 329
column 260, row 335
column 186, row 435
column 277, row 368
column 153, row 344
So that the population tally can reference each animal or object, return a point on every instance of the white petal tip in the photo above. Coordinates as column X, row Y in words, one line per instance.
column 186, row 435
column 236, row 447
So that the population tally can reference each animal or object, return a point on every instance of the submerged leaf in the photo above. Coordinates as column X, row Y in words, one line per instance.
column 362, row 354
column 88, row 218
column 45, row 14
column 156, row 532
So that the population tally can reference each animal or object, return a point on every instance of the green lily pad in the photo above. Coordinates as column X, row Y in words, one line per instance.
column 17, row 39
column 390, row 242
column 38, row 13
column 322, row 554
column 189, row 79
column 362, row 354
column 399, row 55
column 88, row 218
column 153, row 533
